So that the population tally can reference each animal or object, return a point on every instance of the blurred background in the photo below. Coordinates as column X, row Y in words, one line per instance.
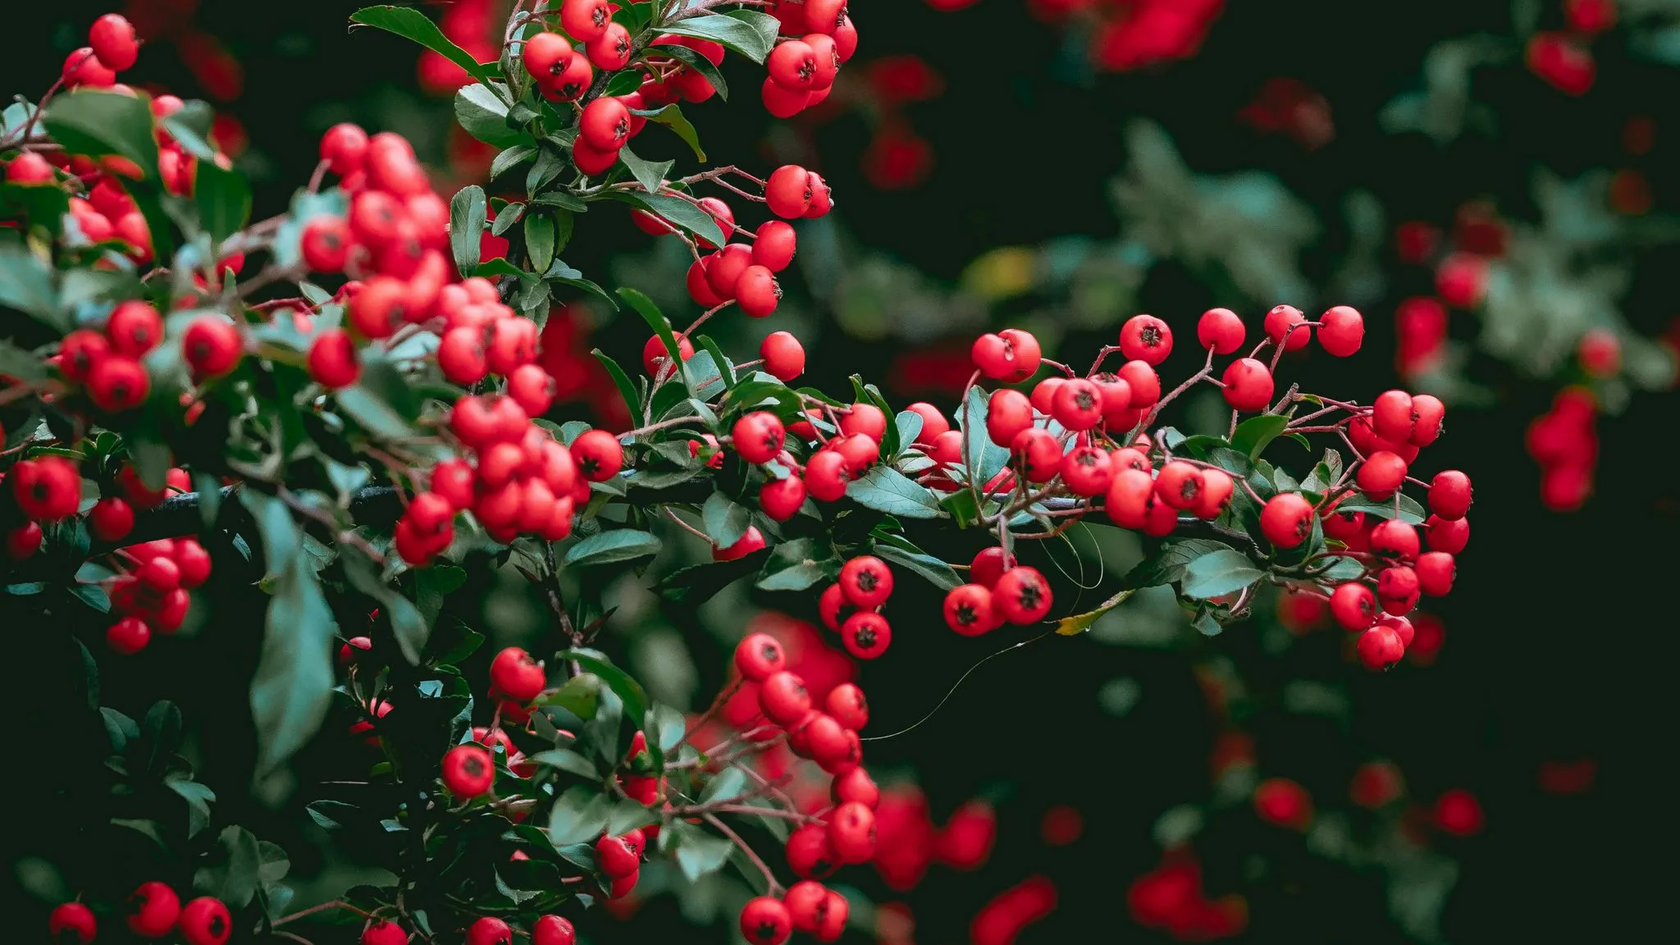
column 1491, row 183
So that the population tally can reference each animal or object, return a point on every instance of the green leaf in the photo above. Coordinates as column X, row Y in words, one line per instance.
column 726, row 786
column 545, row 168
column 1218, row 573
column 664, row 727
column 190, row 126
column 198, row 798
column 628, row 690
column 410, row 629
column 983, row 458
column 698, row 852
column 1410, row 510
column 908, row 423
column 162, row 728
column 580, row 814
column 650, row 174
column 696, row 60
column 671, row 116
column 627, row 815
column 568, row 761
column 539, row 241
column 1167, row 566
column 481, row 113
column 466, row 227
column 1206, row 625
column 748, row 32
column 725, row 520
column 934, row 570
column 1080, row 623
column 18, row 363
column 98, row 123
column 626, row 389
column 674, row 209
column 561, row 200
column 725, row 372
column 292, row 687
column 581, row 696
column 611, row 547
column 234, row 875
column 224, row 200
column 504, row 162
column 885, row 489
column 696, row 584
column 414, row 25
column 656, row 320
column 1256, row 433
column 798, row 564
column 26, row 285
column 330, row 815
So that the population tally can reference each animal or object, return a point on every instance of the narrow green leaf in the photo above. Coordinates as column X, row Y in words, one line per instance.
column 934, row 570
column 620, row 544
column 673, row 209
column 412, row 24
column 481, row 113
column 729, row 784
column 748, row 32
column 466, row 227
column 1080, row 623
column 626, row 389
column 671, row 116
column 656, row 320
column 628, row 690
column 539, row 241
column 650, row 174
column 797, row 565
column 696, row 60
column 1256, row 433
column 223, row 199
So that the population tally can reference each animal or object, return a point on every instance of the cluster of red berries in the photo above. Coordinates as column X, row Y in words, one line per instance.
column 851, row 607
column 745, row 272
column 486, row 930
column 393, row 244
column 817, row 38
column 1564, row 441
column 515, row 479
column 1171, row 897
column 152, row 593
column 998, row 591
column 154, row 912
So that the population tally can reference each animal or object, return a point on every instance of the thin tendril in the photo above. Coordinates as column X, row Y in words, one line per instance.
column 954, row 686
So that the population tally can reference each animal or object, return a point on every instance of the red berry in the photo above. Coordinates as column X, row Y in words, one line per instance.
column 1449, row 494
column 1010, row 355
column 344, row 147
column 1341, row 331
column 205, row 921
column 1248, row 385
column 380, row 932
column 79, row 352
column 1179, row 485
column 332, row 359
column 774, row 245
column 1287, row 519
column 1008, row 412
column 1037, row 454
column 851, row 832
column 864, row 419
column 866, row 635
column 793, row 66
column 1221, row 330
column 758, row 437
column 1144, row 383
column 834, row 608
column 806, row 903
column 553, row 929
column 489, row 930
column 822, row 199
column 134, row 328
column 784, row 356
column 590, row 161
column 1129, row 496
column 118, row 383
column 1215, row 496
column 1428, row 413
column 846, row 705
column 1397, row 589
column 783, row 698
column 112, row 39
column 1394, row 541
column 782, row 499
column 605, row 123
column 153, row 909
column 866, row 581
column 1381, row 475
column 72, row 923
column 516, row 676
column 29, row 169
column 47, row 489
column 860, row 451
column 1380, row 648
column 758, row 655
column 1087, row 470
column 988, row 566
column 751, row 541
column 1286, row 326
column 655, row 356
column 765, row 921
column 1021, row 596
column 809, row 854
column 1353, row 605
column 789, row 192
column 1146, row 338
column 1391, row 416
column 1283, row 802
column 110, row 519
column 1435, row 573
column 468, row 771
column 1449, row 535
column 598, row 455
column 1077, row 404
column 968, row 610
column 83, row 68
column 826, row 476
column 610, row 51
column 211, row 346
column 585, row 19
column 856, row 786
column 615, row 857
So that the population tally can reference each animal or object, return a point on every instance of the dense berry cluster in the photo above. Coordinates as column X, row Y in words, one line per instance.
column 154, row 911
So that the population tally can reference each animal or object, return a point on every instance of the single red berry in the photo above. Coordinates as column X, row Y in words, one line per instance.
column 1087, row 470
column 758, row 436
column 598, row 455
column 751, row 541
column 834, row 918
column 118, row 383
column 553, row 929
column 774, row 245
column 1221, row 330
column 47, row 488
column 344, row 147
column 1179, row 484
column 1146, row 338
column 1391, row 416
column 605, row 123
column 1449, row 535
column 826, row 475
column 1021, row 596
column 789, row 191
column 325, row 244
column 834, row 608
column 765, row 921
column 1144, row 383
column 134, row 328
column 111, row 518
column 610, row 52
column 809, row 854
column 757, row 291
column 489, row 930
column 79, row 352
column 864, row 419
column 806, row 902
column 1037, row 454
column 1341, row 331
column 758, row 655
column 624, row 885
column 847, row 705
column 112, row 39
column 153, row 909
column 851, row 832
column 782, row 499
column 1129, row 496
column 793, row 66
column 332, row 359
column 968, row 610
column 515, row 675
column 23, row 541
column 866, row 581
column 1394, row 541
column 860, row 452
column 1283, row 802
column 468, row 771
column 1397, row 589
column 784, row 356
column 205, row 921
column 1435, row 573
column 380, row 932
column 1449, row 494
column 1353, row 605
column 1381, row 475
column 866, row 634
column 72, row 923
column 1428, row 415
column 615, row 857
column 856, row 786
column 211, row 346
column 585, row 19
column 1287, row 519
column 29, row 169
column 1286, row 326
column 783, row 698
column 1457, row 812
column 1215, row 497
column 655, row 356
column 1248, row 385
column 1380, row 648
column 988, row 566
column 1077, row 404
column 1008, row 413
column 83, row 68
